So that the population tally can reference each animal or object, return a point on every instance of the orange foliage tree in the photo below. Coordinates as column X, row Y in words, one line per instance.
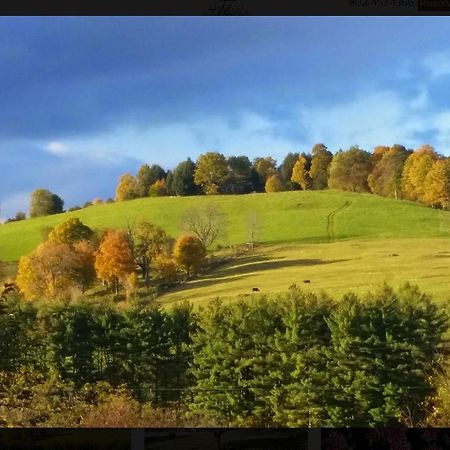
column 114, row 259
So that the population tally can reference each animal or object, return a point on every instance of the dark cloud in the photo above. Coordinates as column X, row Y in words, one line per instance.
column 71, row 76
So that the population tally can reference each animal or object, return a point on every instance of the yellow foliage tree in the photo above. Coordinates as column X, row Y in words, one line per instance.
column 164, row 269
column 273, row 184
column 158, row 189
column 70, row 232
column 415, row 171
column 127, row 188
column 53, row 270
column 189, row 253
column 437, row 183
column 299, row 173
column 114, row 259
column 210, row 171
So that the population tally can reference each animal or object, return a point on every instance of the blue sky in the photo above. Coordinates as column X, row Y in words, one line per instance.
column 83, row 100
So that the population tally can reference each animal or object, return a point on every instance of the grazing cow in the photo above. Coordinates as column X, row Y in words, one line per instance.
column 394, row 254
column 255, row 290
column 306, row 281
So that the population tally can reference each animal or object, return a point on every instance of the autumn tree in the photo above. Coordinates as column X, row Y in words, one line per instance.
column 183, row 179
column 189, row 253
column 127, row 188
column 164, row 269
column 386, row 176
column 158, row 189
column 44, row 203
column 84, row 273
column 53, row 269
column 273, row 184
column 349, row 170
column 264, row 168
column 210, row 172
column 70, row 232
column 207, row 223
column 378, row 153
column 415, row 171
column 149, row 241
column 114, row 259
column 300, row 173
column 437, row 182
column 320, row 166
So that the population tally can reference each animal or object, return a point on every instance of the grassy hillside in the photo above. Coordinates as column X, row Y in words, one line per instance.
column 357, row 265
column 284, row 218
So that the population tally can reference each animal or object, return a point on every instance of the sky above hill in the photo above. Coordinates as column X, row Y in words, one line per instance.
column 85, row 99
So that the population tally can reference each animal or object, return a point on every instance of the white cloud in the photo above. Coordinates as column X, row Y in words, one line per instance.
column 376, row 118
column 373, row 119
column 56, row 148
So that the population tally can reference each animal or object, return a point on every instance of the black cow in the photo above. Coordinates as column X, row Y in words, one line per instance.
column 255, row 290
column 306, row 281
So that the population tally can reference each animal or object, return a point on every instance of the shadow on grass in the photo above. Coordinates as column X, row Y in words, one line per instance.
column 243, row 269
column 260, row 264
column 204, row 282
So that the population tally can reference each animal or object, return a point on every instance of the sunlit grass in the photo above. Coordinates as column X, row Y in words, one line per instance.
column 357, row 265
column 286, row 217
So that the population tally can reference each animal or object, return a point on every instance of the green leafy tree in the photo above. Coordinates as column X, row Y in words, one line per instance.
column 183, row 179
column 383, row 347
column 44, row 203
column 169, row 183
column 156, row 173
column 285, row 170
column 349, row 170
column 239, row 177
column 148, row 336
column 210, row 172
column 320, row 166
column 144, row 179
column 299, row 361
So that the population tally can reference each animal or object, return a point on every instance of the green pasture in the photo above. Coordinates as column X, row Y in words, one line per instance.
column 339, row 241
column 285, row 217
column 358, row 265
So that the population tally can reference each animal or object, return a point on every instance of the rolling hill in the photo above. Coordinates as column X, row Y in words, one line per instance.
column 338, row 241
column 285, row 217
